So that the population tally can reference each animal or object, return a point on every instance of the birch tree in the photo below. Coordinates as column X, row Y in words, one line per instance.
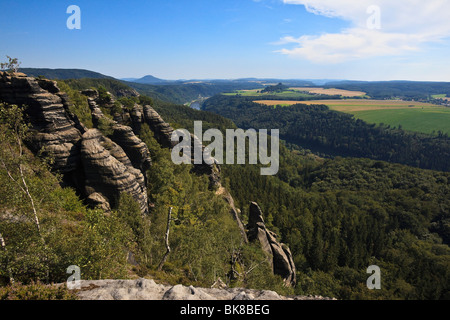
column 13, row 131
column 3, row 244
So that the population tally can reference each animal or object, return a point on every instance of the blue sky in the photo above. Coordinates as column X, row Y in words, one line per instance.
column 198, row 39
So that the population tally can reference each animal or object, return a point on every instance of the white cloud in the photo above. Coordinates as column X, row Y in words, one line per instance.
column 405, row 26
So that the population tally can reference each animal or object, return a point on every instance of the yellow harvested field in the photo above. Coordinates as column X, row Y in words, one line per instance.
column 344, row 93
column 278, row 102
column 351, row 105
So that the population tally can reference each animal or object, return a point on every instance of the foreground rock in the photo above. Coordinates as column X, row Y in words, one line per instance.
column 145, row 289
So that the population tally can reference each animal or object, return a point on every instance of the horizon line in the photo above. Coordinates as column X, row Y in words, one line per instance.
column 235, row 78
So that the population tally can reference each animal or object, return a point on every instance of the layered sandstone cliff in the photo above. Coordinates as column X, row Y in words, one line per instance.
column 54, row 129
column 99, row 168
column 109, row 172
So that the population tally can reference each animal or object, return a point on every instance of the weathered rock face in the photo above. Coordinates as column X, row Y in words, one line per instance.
column 136, row 116
column 163, row 134
column 96, row 112
column 108, row 171
column 54, row 128
column 208, row 167
column 136, row 150
column 98, row 167
column 145, row 289
column 126, row 93
column 282, row 262
column 162, row 130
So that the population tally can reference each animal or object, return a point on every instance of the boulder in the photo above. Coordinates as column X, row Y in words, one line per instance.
column 180, row 292
column 96, row 200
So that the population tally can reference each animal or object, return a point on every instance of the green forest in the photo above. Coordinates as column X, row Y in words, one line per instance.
column 340, row 215
column 329, row 132
column 406, row 90
column 348, row 195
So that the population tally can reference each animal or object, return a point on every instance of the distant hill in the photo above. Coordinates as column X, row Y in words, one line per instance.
column 147, row 80
column 63, row 74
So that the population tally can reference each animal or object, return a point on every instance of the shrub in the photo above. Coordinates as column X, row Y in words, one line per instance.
column 36, row 291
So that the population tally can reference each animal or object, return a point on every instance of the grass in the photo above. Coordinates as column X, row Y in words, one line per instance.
column 439, row 96
column 410, row 115
column 427, row 120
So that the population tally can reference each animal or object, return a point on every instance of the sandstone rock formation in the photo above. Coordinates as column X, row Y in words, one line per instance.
column 109, row 172
column 162, row 130
column 136, row 117
column 96, row 112
column 281, row 257
column 97, row 167
column 136, row 150
column 163, row 134
column 53, row 127
column 145, row 289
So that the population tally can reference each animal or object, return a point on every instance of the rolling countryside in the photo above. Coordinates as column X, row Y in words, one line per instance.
column 410, row 115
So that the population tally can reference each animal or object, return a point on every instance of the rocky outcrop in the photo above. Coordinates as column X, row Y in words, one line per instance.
column 96, row 112
column 97, row 167
column 280, row 255
column 136, row 150
column 208, row 167
column 136, row 117
column 163, row 134
column 161, row 129
column 54, row 130
column 147, row 289
column 109, row 172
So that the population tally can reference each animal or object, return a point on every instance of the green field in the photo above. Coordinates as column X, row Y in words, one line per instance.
column 427, row 120
column 412, row 116
column 439, row 96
